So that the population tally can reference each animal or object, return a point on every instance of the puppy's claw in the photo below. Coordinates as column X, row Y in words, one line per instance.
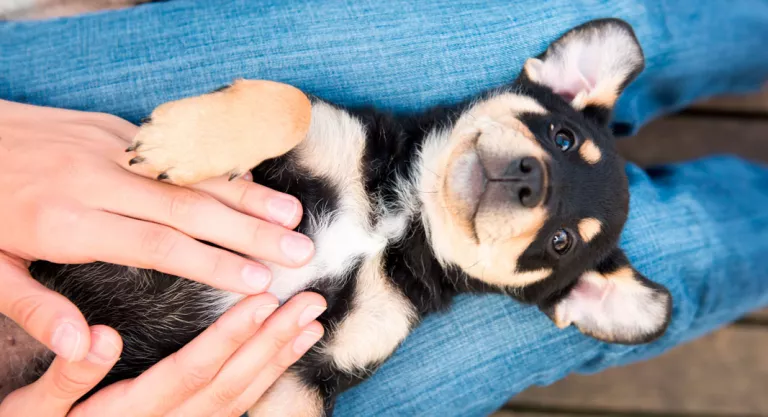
column 146, row 120
column 136, row 160
column 233, row 176
column 162, row 176
column 133, row 147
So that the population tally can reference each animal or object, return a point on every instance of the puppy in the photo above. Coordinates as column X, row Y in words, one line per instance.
column 518, row 191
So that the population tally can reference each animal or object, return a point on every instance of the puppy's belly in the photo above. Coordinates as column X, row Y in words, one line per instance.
column 17, row 351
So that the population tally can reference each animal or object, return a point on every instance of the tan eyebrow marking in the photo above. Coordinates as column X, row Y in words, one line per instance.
column 590, row 152
column 589, row 228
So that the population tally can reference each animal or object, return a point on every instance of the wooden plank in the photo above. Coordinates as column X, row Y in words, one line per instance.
column 507, row 413
column 751, row 103
column 760, row 315
column 680, row 138
column 725, row 373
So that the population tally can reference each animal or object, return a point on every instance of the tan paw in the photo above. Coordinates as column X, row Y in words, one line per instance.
column 227, row 132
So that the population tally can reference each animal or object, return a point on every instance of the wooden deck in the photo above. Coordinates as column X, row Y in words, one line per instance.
column 723, row 374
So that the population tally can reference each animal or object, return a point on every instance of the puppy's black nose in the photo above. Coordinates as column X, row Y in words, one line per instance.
column 524, row 178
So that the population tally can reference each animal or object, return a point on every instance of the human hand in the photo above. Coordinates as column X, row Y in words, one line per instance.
column 67, row 198
column 222, row 372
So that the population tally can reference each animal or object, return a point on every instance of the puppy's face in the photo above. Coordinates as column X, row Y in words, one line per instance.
column 529, row 194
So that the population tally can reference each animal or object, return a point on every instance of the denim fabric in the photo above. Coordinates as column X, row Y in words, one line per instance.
column 699, row 228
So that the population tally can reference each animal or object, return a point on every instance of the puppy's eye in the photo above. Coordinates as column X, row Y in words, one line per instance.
column 564, row 139
column 561, row 241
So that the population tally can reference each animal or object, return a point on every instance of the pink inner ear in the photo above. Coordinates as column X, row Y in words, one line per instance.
column 566, row 82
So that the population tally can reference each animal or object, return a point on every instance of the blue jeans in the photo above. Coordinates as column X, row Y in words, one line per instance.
column 700, row 228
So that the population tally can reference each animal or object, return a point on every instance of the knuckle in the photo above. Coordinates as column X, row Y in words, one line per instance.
column 25, row 309
column 279, row 339
column 87, row 131
column 244, row 192
column 237, row 409
column 157, row 243
column 183, row 203
column 226, row 394
column 231, row 333
column 195, row 378
column 216, row 264
column 68, row 386
column 53, row 226
column 276, row 368
column 255, row 233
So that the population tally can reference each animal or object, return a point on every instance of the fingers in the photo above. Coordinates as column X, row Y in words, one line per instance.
column 46, row 315
column 125, row 241
column 256, row 200
column 203, row 217
column 289, row 354
column 281, row 341
column 184, row 373
column 65, row 382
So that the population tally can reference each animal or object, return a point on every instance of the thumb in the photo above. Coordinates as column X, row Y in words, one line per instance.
column 46, row 315
column 66, row 382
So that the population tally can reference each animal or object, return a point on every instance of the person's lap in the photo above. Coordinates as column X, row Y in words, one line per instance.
column 698, row 227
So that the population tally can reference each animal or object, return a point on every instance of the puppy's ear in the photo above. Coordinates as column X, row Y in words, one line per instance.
column 614, row 303
column 590, row 65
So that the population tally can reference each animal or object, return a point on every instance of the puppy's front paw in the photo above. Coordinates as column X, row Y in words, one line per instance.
column 227, row 132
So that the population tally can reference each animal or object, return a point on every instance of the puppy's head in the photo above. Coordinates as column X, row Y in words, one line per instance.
column 526, row 193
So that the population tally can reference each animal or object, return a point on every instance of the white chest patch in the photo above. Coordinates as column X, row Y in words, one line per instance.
column 340, row 242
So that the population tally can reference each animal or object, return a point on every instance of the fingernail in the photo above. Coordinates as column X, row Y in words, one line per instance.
column 296, row 247
column 256, row 277
column 66, row 341
column 310, row 313
column 248, row 176
column 103, row 350
column 263, row 312
column 305, row 341
column 282, row 209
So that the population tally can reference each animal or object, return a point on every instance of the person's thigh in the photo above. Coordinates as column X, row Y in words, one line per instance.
column 698, row 228
column 396, row 54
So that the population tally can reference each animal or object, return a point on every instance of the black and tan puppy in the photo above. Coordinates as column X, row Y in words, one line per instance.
column 519, row 191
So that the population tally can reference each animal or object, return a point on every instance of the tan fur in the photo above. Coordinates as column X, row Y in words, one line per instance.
column 256, row 119
column 589, row 228
column 590, row 152
column 486, row 243
column 380, row 318
column 288, row 397
column 334, row 141
column 604, row 94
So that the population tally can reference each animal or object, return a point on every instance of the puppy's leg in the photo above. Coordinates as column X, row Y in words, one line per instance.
column 289, row 397
column 226, row 132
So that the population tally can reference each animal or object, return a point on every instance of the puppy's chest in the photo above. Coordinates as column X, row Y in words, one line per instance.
column 349, row 245
column 344, row 243
column 340, row 222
